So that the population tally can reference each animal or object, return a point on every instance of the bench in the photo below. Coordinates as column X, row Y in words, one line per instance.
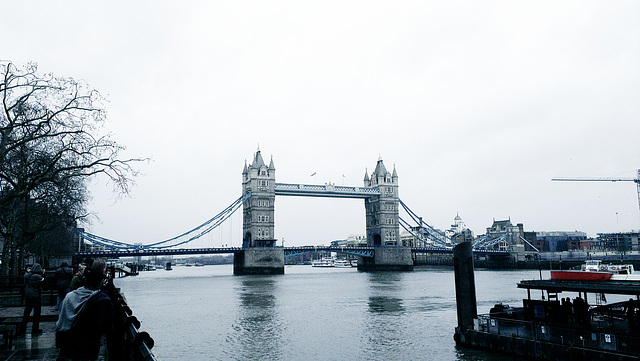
column 8, row 332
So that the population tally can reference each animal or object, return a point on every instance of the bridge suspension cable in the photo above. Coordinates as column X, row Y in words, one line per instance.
column 424, row 232
column 179, row 240
column 486, row 242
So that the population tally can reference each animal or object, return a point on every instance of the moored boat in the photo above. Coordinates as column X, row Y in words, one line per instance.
column 573, row 275
column 323, row 262
column 571, row 321
column 595, row 270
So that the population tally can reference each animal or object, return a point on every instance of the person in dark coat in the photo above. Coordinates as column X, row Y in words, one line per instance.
column 86, row 314
column 64, row 274
column 32, row 294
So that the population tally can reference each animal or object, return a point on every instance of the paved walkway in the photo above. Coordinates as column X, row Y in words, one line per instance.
column 27, row 346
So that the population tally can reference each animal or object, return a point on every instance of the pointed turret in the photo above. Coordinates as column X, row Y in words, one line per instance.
column 367, row 182
column 272, row 169
column 380, row 170
column 271, row 166
column 258, row 162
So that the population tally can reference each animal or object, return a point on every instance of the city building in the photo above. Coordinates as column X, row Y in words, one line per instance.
column 459, row 231
column 513, row 241
column 558, row 241
column 619, row 242
column 354, row 240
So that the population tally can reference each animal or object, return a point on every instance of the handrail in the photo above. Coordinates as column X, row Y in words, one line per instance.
column 128, row 343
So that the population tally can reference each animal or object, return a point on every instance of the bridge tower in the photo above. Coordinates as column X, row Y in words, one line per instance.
column 260, row 255
column 382, row 223
column 258, row 212
column 383, row 228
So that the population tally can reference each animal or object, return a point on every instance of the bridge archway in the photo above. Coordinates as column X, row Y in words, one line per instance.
column 377, row 240
column 246, row 240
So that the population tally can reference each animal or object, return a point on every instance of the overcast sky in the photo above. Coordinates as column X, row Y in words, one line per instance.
column 477, row 103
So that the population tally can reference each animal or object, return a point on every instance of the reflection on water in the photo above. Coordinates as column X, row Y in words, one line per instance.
column 258, row 329
column 385, row 287
column 206, row 313
column 385, row 304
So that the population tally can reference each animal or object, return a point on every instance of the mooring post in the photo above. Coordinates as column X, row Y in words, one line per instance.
column 465, row 285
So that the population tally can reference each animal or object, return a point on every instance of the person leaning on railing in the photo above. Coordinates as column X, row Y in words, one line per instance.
column 85, row 315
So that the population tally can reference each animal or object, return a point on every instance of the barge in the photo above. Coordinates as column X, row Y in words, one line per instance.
column 570, row 321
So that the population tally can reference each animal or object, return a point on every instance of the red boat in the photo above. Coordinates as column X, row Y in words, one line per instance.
column 580, row 276
column 595, row 270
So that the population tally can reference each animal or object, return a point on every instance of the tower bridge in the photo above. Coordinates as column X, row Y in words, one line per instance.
column 380, row 195
column 259, row 254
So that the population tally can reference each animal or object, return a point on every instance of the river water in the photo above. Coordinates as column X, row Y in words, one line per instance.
column 206, row 313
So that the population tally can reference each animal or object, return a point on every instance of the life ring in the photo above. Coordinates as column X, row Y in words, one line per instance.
column 604, row 268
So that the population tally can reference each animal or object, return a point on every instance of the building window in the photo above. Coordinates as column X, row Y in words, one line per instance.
column 390, row 235
column 263, row 233
column 263, row 184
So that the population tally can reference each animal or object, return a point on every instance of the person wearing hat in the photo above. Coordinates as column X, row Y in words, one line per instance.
column 32, row 292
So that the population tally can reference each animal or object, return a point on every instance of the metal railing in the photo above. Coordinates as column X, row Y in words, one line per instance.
column 128, row 342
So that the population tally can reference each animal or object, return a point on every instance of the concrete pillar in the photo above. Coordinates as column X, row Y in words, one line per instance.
column 387, row 259
column 465, row 285
column 259, row 261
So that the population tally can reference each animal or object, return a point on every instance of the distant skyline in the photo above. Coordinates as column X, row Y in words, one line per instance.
column 478, row 104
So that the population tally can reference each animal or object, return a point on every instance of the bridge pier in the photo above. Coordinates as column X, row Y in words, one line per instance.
column 387, row 259
column 259, row 261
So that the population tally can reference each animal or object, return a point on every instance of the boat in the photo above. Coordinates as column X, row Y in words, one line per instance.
column 342, row 263
column 323, row 262
column 199, row 264
column 570, row 320
column 595, row 270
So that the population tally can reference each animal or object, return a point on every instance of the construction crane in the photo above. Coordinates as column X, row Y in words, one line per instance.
column 635, row 180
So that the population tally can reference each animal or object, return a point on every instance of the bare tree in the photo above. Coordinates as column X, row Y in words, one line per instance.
column 51, row 142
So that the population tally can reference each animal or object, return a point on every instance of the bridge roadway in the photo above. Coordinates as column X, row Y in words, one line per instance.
column 288, row 251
